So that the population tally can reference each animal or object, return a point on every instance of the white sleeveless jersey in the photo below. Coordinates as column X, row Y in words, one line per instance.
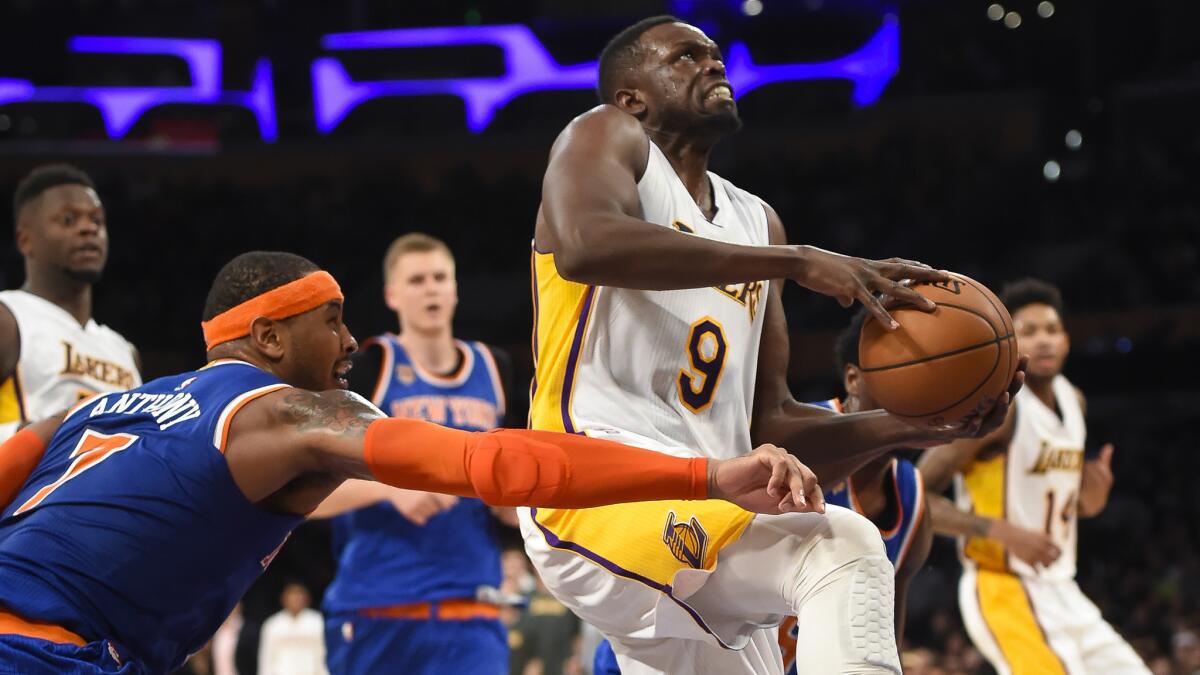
column 1035, row 484
column 673, row 371
column 60, row 362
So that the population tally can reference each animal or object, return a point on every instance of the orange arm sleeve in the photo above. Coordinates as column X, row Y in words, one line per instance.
column 19, row 456
column 511, row 467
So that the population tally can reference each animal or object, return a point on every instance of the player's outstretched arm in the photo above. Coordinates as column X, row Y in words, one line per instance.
column 299, row 440
column 20, row 454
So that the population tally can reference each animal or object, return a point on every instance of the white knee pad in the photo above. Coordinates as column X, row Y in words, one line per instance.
column 872, row 608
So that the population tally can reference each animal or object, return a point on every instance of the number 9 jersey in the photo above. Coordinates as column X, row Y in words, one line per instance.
column 669, row 370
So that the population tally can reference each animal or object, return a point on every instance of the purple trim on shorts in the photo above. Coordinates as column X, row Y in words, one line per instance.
column 536, row 310
column 573, row 358
column 554, row 541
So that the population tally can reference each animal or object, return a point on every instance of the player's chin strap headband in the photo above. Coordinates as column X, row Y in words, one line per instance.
column 297, row 297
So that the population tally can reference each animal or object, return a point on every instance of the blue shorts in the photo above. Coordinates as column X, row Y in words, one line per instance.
column 20, row 655
column 361, row 645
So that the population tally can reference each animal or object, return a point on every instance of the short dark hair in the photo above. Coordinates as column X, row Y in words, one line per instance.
column 1029, row 291
column 250, row 275
column 43, row 178
column 845, row 348
column 623, row 52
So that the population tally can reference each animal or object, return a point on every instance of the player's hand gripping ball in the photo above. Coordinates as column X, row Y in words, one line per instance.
column 938, row 367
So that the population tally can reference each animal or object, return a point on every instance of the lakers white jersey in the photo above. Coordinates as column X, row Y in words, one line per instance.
column 669, row 370
column 1035, row 484
column 60, row 362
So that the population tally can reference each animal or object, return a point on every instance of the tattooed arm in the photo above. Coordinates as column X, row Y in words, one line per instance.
column 289, row 449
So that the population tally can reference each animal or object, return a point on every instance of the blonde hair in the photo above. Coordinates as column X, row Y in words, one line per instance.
column 413, row 242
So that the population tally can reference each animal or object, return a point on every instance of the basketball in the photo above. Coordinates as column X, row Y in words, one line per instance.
column 937, row 367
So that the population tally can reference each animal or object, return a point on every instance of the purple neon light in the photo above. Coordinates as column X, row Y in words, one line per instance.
column 121, row 107
column 869, row 67
column 529, row 67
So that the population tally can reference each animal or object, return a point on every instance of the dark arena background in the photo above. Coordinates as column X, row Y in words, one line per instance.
column 1001, row 140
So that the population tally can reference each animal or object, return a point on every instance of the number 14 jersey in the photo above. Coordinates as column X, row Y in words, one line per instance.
column 670, row 370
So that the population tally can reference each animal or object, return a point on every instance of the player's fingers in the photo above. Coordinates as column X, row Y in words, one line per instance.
column 777, row 485
column 805, row 493
column 1018, row 380
column 995, row 416
column 797, row 487
column 909, row 269
column 877, row 309
column 1106, row 453
column 816, row 497
column 901, row 293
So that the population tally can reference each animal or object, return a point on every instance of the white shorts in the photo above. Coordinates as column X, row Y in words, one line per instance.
column 648, row 577
column 1033, row 626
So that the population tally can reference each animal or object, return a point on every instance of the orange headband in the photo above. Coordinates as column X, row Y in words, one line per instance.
column 297, row 297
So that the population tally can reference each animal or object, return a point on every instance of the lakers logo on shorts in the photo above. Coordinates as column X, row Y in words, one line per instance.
column 686, row 541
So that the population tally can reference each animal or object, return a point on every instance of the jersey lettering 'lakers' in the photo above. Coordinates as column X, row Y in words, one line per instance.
column 1035, row 484
column 669, row 370
column 60, row 362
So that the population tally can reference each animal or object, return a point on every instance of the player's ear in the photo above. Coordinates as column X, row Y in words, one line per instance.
column 24, row 238
column 851, row 379
column 631, row 101
column 266, row 335
column 389, row 297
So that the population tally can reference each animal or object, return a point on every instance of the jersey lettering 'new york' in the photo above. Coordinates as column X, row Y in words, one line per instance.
column 1035, row 484
column 670, row 370
column 131, row 527
column 383, row 558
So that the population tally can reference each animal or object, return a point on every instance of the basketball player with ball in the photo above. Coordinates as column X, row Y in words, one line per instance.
column 658, row 322
column 1021, row 490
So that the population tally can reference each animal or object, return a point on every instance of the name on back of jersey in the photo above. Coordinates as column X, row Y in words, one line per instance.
column 166, row 409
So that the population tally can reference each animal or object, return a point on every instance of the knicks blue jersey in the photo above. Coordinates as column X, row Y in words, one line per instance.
column 383, row 558
column 905, row 479
column 131, row 527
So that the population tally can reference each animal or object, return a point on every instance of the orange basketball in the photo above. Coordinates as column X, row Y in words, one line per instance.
column 939, row 366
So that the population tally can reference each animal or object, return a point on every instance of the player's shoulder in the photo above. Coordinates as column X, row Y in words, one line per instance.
column 607, row 119
column 1068, row 387
column 315, row 410
column 608, row 129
